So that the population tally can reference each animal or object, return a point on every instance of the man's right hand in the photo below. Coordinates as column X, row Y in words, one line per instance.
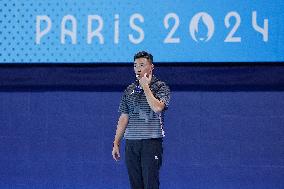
column 115, row 152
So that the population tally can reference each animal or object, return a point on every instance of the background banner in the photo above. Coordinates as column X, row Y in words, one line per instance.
column 100, row 31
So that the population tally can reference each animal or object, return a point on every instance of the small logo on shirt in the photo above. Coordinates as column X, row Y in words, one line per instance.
column 137, row 89
column 156, row 157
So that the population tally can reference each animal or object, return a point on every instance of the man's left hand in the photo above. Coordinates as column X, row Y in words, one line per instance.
column 145, row 80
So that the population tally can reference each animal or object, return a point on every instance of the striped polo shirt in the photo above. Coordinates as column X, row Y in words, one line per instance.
column 143, row 122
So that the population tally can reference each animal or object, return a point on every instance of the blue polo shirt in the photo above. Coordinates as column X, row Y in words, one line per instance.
column 143, row 122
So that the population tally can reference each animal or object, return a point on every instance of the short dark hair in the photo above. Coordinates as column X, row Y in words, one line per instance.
column 144, row 54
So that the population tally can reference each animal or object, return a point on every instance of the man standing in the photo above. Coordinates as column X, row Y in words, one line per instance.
column 141, row 121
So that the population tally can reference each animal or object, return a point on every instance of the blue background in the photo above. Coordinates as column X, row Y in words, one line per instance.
column 213, row 140
column 18, row 31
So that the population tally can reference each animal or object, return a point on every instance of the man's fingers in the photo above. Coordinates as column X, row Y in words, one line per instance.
column 116, row 155
column 150, row 76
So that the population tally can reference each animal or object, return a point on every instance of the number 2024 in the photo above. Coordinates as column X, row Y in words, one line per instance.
column 208, row 21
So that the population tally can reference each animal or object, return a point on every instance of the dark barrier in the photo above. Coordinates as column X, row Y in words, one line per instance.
column 115, row 77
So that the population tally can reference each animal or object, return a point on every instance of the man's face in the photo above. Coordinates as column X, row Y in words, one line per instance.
column 142, row 66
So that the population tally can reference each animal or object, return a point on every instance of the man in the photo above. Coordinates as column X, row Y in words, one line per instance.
column 141, row 121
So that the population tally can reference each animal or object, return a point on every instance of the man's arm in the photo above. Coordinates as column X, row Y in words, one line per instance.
column 155, row 104
column 121, row 126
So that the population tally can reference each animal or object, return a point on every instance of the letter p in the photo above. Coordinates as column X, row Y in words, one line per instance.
column 39, row 33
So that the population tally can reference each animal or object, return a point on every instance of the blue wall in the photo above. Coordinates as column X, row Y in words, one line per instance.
column 213, row 140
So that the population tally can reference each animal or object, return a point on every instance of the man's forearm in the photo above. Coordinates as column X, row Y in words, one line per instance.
column 119, row 133
column 155, row 104
column 121, row 126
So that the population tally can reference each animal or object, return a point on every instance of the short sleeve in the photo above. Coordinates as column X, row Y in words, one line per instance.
column 123, row 107
column 163, row 94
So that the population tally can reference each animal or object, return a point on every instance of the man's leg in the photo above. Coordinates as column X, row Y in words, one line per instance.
column 133, row 163
column 151, row 159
